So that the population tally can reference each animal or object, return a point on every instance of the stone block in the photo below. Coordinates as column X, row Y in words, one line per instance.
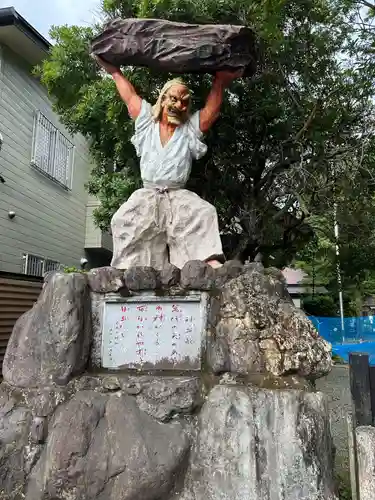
column 258, row 444
column 365, row 443
column 170, row 276
column 197, row 275
column 264, row 332
column 51, row 342
column 142, row 278
column 105, row 280
column 104, row 446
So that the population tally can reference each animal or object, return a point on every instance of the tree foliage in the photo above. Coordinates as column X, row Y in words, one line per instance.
column 356, row 222
column 320, row 305
column 352, row 198
column 289, row 140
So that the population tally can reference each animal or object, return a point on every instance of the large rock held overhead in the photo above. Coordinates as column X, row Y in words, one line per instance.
column 178, row 47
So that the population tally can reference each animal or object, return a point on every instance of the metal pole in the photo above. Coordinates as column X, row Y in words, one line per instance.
column 338, row 268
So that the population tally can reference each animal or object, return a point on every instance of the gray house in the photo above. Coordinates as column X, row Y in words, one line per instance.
column 45, row 212
column 299, row 285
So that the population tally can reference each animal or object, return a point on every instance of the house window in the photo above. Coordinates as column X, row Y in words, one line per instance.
column 33, row 265
column 52, row 153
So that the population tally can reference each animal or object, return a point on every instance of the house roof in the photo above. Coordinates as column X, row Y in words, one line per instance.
column 21, row 37
column 297, row 283
column 294, row 276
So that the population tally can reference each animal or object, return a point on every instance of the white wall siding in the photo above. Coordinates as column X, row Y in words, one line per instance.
column 50, row 221
column 95, row 238
column 93, row 234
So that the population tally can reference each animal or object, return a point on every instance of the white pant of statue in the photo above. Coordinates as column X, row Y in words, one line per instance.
column 156, row 223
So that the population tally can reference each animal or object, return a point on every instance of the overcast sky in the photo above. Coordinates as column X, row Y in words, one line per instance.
column 42, row 14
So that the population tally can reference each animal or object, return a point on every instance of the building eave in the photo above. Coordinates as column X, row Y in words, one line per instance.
column 21, row 37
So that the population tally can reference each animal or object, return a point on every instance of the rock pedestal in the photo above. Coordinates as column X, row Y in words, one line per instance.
column 250, row 325
column 240, row 423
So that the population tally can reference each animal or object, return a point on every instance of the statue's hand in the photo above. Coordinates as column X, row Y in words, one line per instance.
column 227, row 77
column 109, row 68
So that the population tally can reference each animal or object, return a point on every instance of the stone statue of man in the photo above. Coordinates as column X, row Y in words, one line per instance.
column 164, row 222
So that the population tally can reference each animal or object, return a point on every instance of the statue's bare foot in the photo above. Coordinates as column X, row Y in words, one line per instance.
column 215, row 264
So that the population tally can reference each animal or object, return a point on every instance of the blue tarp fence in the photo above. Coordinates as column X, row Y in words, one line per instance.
column 358, row 335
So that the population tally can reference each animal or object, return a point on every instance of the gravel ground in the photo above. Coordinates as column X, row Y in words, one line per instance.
column 336, row 387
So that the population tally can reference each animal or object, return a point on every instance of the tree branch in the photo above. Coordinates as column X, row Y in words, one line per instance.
column 279, row 167
column 289, row 90
column 280, row 214
column 367, row 4
column 285, row 164
column 308, row 122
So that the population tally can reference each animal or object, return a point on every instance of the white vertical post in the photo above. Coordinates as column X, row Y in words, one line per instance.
column 26, row 259
column 338, row 268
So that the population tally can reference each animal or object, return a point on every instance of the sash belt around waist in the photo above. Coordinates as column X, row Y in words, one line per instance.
column 162, row 190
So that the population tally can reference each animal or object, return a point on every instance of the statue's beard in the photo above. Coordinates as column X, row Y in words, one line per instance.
column 175, row 116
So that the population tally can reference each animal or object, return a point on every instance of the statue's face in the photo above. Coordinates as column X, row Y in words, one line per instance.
column 176, row 104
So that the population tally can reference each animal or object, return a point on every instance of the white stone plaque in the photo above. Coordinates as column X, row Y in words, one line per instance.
column 153, row 333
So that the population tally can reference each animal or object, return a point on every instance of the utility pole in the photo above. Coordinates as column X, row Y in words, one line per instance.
column 338, row 270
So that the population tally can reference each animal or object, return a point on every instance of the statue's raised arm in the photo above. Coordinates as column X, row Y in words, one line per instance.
column 126, row 90
column 210, row 113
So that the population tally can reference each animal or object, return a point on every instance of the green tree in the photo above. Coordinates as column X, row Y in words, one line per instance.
column 283, row 138
column 320, row 305
column 355, row 216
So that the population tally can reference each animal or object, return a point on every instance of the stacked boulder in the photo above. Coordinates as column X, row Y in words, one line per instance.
column 248, row 426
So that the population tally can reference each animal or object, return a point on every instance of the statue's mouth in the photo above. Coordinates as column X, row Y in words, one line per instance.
column 176, row 113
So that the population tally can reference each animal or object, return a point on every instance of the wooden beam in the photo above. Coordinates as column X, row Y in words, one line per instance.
column 372, row 392
column 360, row 388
